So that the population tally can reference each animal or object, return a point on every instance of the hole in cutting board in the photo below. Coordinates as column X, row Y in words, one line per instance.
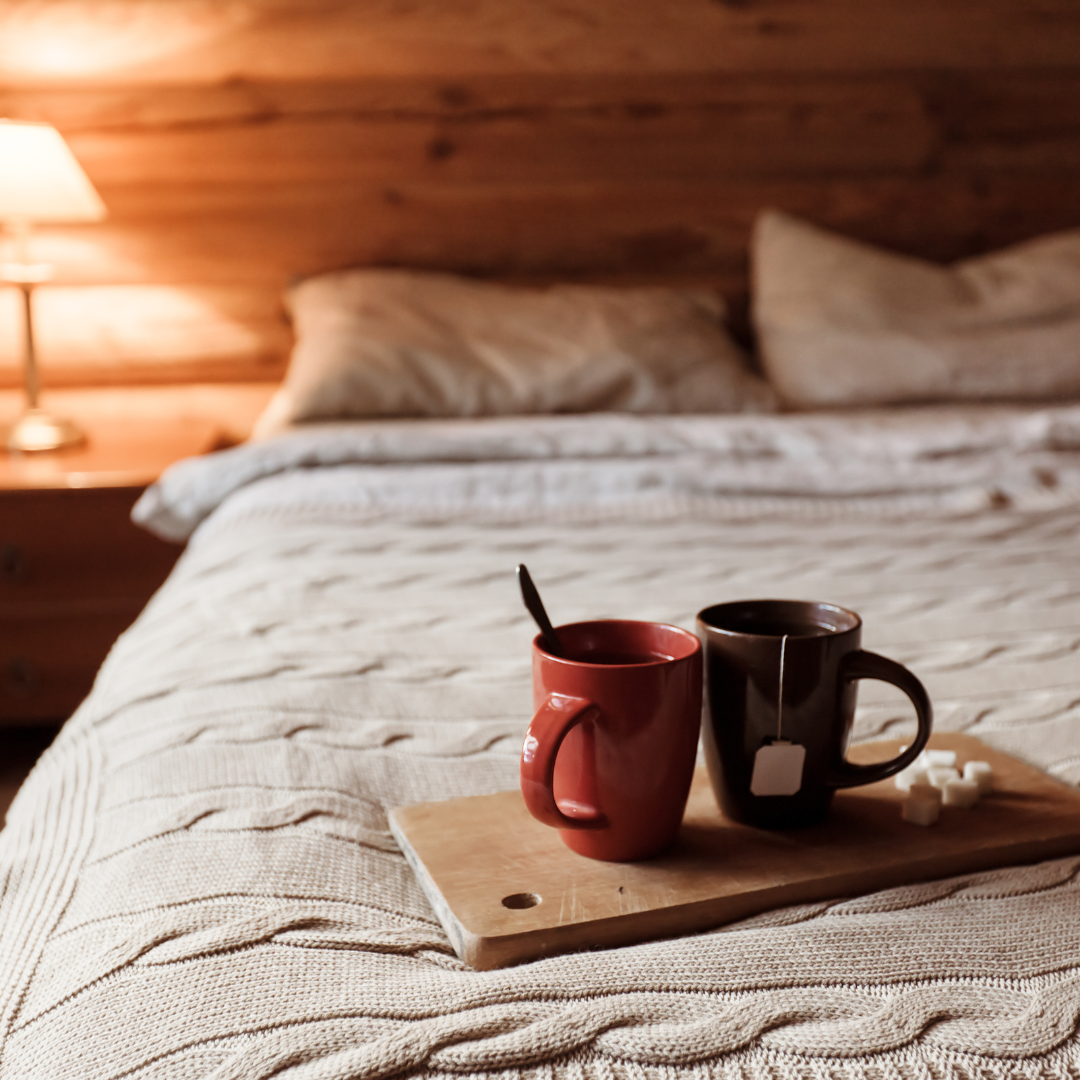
column 520, row 900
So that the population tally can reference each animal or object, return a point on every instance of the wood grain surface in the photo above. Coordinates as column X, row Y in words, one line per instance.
column 239, row 146
column 131, row 453
column 175, row 415
column 470, row 855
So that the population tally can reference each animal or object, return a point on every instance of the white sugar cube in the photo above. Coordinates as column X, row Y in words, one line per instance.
column 940, row 776
column 940, row 758
column 981, row 773
column 913, row 774
column 923, row 805
column 964, row 793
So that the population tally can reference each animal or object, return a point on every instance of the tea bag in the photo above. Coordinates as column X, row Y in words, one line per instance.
column 778, row 766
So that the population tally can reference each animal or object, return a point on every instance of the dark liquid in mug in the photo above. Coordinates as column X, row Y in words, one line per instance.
column 775, row 627
column 605, row 657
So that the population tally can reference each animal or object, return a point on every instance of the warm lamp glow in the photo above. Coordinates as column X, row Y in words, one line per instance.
column 80, row 39
column 40, row 180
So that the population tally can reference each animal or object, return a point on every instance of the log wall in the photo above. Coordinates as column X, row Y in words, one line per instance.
column 240, row 143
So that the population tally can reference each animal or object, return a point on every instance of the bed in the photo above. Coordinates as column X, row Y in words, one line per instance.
column 199, row 878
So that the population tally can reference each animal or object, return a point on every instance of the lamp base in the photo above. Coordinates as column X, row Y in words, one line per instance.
column 36, row 430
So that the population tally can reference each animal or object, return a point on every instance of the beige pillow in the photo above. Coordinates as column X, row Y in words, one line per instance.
column 843, row 323
column 373, row 343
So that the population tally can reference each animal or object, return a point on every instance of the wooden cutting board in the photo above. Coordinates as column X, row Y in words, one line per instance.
column 506, row 889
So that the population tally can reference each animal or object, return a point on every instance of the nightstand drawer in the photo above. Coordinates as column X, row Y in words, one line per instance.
column 48, row 664
column 74, row 570
column 61, row 546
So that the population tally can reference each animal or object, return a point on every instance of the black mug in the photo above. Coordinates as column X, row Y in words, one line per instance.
column 780, row 685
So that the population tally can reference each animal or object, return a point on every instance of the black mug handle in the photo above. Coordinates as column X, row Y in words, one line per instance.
column 867, row 665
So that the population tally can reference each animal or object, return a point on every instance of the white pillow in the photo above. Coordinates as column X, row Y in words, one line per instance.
column 373, row 343
column 843, row 323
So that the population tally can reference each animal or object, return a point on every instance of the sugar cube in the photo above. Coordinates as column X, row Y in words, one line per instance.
column 940, row 758
column 913, row 774
column 941, row 775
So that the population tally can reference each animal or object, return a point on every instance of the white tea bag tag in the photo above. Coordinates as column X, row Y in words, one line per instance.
column 778, row 769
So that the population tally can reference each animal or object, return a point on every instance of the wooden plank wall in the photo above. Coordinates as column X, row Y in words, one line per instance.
column 238, row 143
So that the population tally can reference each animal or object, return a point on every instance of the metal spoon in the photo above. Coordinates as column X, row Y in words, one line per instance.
column 536, row 610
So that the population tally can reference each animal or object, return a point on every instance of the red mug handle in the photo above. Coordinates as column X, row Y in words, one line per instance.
column 550, row 725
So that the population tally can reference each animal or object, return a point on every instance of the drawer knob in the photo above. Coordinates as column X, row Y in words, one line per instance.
column 20, row 678
column 12, row 563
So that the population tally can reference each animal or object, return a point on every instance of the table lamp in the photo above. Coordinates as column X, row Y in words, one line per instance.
column 40, row 180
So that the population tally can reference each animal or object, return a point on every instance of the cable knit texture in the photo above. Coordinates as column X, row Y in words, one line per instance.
column 198, row 880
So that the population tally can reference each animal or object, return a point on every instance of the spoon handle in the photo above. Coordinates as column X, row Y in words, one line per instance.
column 536, row 610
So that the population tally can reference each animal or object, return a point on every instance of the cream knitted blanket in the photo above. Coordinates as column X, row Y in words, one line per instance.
column 198, row 881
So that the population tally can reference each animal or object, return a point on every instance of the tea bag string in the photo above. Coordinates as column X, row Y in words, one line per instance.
column 780, row 692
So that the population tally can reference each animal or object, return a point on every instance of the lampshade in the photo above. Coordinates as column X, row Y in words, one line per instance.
column 40, row 180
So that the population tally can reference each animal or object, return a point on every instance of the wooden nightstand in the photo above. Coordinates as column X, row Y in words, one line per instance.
column 74, row 570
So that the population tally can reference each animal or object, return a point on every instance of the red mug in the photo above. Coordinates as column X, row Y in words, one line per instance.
column 609, row 755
